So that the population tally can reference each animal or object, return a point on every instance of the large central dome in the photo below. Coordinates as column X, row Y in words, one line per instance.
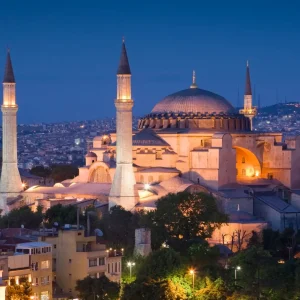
column 193, row 100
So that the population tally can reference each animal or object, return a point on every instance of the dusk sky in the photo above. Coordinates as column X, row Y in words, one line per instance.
column 65, row 53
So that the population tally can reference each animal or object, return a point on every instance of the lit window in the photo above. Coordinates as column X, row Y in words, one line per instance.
column 45, row 264
column 243, row 172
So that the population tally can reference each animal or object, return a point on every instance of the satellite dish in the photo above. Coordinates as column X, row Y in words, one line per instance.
column 22, row 226
column 98, row 232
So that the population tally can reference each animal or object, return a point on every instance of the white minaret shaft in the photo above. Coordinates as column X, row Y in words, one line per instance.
column 10, row 177
column 123, row 191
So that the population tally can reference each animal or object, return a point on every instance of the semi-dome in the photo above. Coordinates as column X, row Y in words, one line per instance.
column 90, row 154
column 193, row 100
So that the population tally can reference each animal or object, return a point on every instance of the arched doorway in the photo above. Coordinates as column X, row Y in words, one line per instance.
column 247, row 165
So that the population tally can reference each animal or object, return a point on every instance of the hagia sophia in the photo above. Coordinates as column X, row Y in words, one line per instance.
column 192, row 140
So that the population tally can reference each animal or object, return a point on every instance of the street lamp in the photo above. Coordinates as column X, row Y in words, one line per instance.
column 238, row 268
column 147, row 186
column 130, row 265
column 192, row 272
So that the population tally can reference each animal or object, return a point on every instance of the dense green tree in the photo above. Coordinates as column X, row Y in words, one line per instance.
column 62, row 172
column 259, row 270
column 41, row 171
column 119, row 228
column 182, row 217
column 213, row 290
column 161, row 264
column 22, row 216
column 21, row 291
column 97, row 288
column 62, row 215
column 151, row 289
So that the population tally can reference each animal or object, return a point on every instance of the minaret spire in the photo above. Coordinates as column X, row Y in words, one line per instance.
column 248, row 90
column 8, row 73
column 249, row 110
column 194, row 84
column 124, row 68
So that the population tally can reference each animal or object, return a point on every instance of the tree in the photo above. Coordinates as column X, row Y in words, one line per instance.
column 204, row 258
column 19, row 291
column 22, row 216
column 161, row 264
column 151, row 289
column 258, row 270
column 62, row 172
column 119, row 228
column 97, row 288
column 62, row 215
column 40, row 171
column 184, row 216
column 213, row 290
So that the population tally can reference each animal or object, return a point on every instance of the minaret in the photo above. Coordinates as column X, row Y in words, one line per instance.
column 10, row 177
column 123, row 191
column 249, row 111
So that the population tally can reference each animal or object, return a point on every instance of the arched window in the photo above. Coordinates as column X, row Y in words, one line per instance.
column 243, row 160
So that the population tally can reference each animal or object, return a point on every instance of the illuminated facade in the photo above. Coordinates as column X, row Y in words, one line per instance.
column 192, row 140
column 10, row 183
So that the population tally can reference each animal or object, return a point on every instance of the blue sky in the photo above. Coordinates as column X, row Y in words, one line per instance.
column 65, row 53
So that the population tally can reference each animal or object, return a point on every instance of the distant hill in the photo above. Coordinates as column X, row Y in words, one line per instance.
column 281, row 109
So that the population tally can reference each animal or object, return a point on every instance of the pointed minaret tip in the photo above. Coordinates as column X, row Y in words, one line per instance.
column 248, row 90
column 124, row 68
column 194, row 84
column 9, row 76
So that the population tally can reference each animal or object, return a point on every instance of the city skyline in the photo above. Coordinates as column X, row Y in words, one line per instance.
column 65, row 67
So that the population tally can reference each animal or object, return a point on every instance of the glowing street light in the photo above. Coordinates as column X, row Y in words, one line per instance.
column 192, row 272
column 147, row 186
column 130, row 265
column 238, row 268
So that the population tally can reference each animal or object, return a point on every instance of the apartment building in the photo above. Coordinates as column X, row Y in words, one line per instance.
column 76, row 256
column 32, row 260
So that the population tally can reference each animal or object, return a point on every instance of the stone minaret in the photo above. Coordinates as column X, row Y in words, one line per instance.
column 249, row 111
column 123, row 191
column 10, row 183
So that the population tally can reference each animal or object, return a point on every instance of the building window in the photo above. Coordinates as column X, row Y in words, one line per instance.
column 93, row 262
column 54, row 246
column 101, row 261
column 243, row 172
column 201, row 143
column 45, row 264
column 243, row 160
column 108, row 268
column 237, row 172
column 34, row 266
column 116, row 267
column 70, row 260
